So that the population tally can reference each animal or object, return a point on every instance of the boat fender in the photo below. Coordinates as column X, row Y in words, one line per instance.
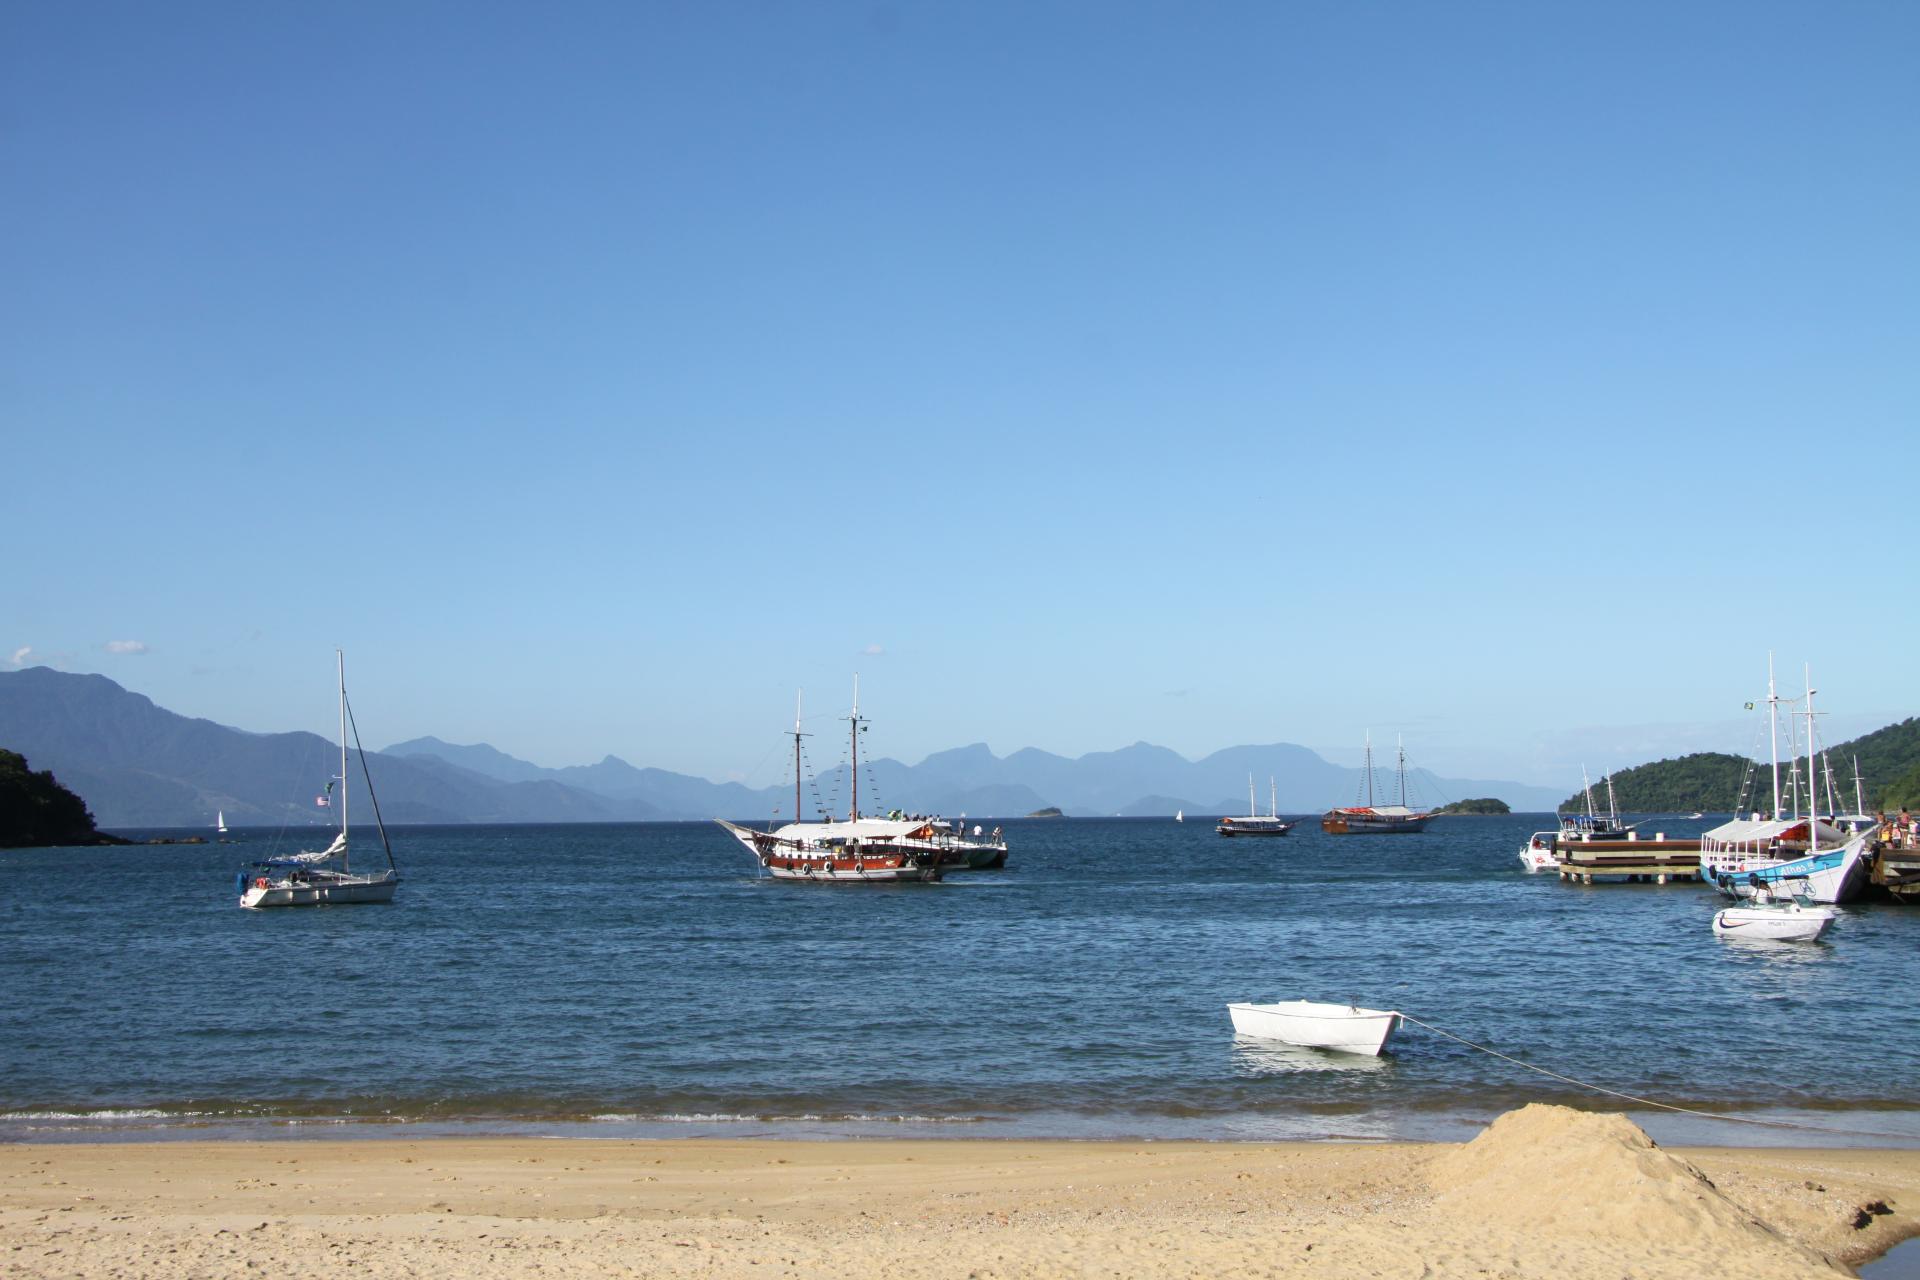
column 240, row 882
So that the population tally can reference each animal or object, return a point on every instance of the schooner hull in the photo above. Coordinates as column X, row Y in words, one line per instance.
column 1348, row 824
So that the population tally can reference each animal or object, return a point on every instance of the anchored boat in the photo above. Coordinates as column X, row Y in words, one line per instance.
column 1377, row 819
column 324, row 877
column 1253, row 824
column 1345, row 1028
column 862, row 849
column 1778, row 911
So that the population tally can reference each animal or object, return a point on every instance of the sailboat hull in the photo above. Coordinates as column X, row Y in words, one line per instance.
column 341, row 891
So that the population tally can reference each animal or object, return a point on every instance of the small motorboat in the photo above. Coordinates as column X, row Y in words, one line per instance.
column 1345, row 1028
column 1776, row 913
column 1537, row 853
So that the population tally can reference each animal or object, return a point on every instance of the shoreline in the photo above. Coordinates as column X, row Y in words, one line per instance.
column 1544, row 1191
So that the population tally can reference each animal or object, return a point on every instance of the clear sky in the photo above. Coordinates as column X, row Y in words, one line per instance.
column 1510, row 376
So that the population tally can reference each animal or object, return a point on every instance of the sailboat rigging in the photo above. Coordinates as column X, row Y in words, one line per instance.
column 1254, row 824
column 1377, row 819
column 325, row 876
column 864, row 849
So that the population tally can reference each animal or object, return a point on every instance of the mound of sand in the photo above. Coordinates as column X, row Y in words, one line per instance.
column 1578, row 1174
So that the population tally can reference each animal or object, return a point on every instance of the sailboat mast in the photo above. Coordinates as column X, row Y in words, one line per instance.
column 1369, row 770
column 796, row 755
column 1813, row 819
column 1251, row 811
column 1400, row 769
column 1773, row 733
column 1586, row 784
column 855, row 718
column 1273, row 798
column 1613, row 808
column 1859, row 798
column 340, row 660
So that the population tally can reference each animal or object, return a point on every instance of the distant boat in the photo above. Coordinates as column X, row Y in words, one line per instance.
column 324, row 877
column 1343, row 1027
column 1691, row 816
column 220, row 821
column 1179, row 815
column 1253, row 824
column 1377, row 819
column 861, row 849
column 1591, row 825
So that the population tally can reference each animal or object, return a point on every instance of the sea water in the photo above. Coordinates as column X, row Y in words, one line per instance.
column 645, row 980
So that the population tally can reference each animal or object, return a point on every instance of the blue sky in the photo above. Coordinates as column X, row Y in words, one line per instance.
column 1509, row 376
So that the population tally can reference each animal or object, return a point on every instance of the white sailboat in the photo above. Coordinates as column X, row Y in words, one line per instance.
column 326, row 876
column 1254, row 824
column 1179, row 815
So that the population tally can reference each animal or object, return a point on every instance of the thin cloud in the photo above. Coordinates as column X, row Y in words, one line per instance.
column 21, row 655
column 125, row 646
column 874, row 650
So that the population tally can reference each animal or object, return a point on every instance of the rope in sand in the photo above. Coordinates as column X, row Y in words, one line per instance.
column 1645, row 1102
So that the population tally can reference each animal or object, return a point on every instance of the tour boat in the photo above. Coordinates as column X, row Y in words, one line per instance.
column 1777, row 912
column 1345, row 1028
column 860, row 849
column 1744, row 855
column 1377, row 819
column 323, row 877
column 1253, row 824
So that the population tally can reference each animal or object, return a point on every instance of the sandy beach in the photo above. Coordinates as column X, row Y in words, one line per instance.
column 1545, row 1191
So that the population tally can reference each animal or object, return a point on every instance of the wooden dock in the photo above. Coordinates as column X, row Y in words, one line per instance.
column 1635, row 861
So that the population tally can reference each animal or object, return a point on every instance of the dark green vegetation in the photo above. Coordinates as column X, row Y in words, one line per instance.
column 1486, row 804
column 1710, row 780
column 36, row 811
column 1048, row 812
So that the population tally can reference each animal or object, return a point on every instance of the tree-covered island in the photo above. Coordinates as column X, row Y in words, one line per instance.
column 37, row 812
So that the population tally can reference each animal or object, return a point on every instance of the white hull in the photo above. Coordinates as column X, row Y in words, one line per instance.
column 1253, row 827
column 1537, row 854
column 1340, row 1027
column 1832, row 875
column 1788, row 922
column 331, row 891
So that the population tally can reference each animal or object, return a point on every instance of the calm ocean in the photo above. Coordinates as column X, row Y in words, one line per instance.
column 642, row 980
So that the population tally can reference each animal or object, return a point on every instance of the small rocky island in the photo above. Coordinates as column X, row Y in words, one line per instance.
column 1049, row 812
column 37, row 812
column 1486, row 804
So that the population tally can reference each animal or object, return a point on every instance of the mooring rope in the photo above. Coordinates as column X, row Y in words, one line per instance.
column 1645, row 1102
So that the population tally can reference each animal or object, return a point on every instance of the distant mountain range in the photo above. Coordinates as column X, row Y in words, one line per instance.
column 140, row 765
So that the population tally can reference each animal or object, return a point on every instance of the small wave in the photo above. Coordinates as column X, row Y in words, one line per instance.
column 135, row 1114
column 720, row 1117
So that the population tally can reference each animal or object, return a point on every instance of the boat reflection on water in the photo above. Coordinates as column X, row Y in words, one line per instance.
column 1254, row 1058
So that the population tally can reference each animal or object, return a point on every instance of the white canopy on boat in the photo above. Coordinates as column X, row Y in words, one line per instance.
column 860, row 828
column 1383, row 810
column 1758, row 833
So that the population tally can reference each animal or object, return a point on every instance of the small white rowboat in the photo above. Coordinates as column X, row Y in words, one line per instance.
column 1343, row 1027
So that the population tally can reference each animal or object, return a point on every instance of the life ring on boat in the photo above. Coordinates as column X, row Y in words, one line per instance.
column 260, row 883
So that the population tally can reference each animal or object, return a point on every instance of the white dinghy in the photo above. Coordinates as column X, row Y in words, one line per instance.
column 1776, row 915
column 1345, row 1028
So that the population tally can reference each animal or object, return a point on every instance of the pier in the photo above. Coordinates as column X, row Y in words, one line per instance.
column 1629, row 860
